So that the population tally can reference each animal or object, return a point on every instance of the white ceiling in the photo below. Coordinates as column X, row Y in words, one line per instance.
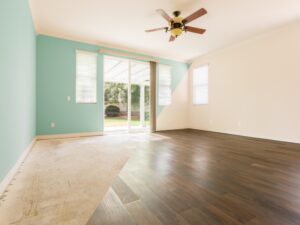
column 121, row 24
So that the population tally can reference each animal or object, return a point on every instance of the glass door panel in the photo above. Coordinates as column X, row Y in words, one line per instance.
column 126, row 94
column 115, row 94
column 140, row 80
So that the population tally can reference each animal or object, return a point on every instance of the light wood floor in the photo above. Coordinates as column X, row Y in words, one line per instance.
column 194, row 177
column 62, row 181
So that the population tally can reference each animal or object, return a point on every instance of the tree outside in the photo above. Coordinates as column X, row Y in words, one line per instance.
column 116, row 94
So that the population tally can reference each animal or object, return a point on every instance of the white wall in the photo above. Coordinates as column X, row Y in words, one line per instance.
column 254, row 88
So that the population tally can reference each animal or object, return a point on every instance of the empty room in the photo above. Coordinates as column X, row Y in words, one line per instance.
column 138, row 112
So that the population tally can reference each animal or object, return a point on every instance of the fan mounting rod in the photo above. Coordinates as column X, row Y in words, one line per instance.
column 176, row 13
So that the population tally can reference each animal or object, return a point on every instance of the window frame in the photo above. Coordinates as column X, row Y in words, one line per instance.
column 193, row 85
column 96, row 76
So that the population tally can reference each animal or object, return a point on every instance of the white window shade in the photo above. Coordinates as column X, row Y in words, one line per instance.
column 200, row 85
column 165, row 90
column 86, row 77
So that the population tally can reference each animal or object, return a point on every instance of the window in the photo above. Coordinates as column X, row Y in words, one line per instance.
column 86, row 77
column 200, row 85
column 165, row 90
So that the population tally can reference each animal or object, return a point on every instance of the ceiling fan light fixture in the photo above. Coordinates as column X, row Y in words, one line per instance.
column 177, row 24
column 176, row 32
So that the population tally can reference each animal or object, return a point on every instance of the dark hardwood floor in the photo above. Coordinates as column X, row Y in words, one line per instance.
column 192, row 177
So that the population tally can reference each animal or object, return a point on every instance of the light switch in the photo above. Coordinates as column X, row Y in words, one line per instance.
column 52, row 125
column 68, row 98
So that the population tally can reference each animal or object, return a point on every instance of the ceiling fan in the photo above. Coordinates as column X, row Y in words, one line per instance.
column 177, row 24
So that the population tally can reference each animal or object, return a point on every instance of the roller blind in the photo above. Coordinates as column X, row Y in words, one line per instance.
column 165, row 90
column 200, row 85
column 86, row 77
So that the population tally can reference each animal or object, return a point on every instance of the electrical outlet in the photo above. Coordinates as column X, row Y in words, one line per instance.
column 239, row 124
column 52, row 125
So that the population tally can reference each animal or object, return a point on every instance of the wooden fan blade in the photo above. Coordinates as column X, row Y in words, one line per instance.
column 195, row 30
column 164, row 14
column 172, row 38
column 156, row 29
column 194, row 16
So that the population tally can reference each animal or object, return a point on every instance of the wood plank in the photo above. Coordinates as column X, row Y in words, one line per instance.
column 111, row 211
column 125, row 194
column 208, row 217
column 162, row 211
column 141, row 214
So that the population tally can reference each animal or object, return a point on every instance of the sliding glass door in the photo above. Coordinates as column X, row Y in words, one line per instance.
column 126, row 94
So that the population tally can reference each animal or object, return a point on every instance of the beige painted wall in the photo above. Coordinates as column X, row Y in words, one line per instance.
column 254, row 88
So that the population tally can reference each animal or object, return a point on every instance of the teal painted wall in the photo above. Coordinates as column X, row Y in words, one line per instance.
column 17, row 81
column 56, row 70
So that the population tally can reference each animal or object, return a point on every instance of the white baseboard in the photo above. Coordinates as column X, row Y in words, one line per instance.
column 10, row 175
column 173, row 129
column 74, row 135
column 288, row 140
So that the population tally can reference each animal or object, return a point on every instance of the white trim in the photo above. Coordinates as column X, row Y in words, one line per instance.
column 142, row 105
column 72, row 135
column 262, row 137
column 86, row 52
column 103, row 93
column 10, row 175
column 129, row 96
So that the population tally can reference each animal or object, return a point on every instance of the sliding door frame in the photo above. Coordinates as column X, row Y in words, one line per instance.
column 129, row 96
column 153, row 87
column 152, row 76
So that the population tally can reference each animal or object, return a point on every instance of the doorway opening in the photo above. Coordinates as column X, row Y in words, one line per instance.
column 126, row 94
